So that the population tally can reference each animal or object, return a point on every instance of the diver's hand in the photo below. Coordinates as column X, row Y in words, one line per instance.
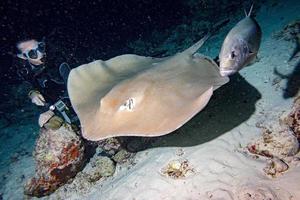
column 37, row 98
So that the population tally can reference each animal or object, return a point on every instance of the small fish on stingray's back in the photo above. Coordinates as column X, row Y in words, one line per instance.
column 240, row 46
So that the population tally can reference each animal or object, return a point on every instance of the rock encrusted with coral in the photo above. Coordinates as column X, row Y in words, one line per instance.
column 293, row 119
column 98, row 167
column 275, row 166
column 177, row 169
column 59, row 155
column 290, row 31
column 122, row 156
column 110, row 146
column 279, row 144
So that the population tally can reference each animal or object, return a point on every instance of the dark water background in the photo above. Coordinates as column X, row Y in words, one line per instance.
column 85, row 29
column 96, row 28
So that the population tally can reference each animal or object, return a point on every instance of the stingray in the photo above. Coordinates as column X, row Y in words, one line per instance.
column 131, row 95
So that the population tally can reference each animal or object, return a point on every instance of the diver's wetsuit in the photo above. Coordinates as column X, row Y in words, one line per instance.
column 53, row 90
column 42, row 80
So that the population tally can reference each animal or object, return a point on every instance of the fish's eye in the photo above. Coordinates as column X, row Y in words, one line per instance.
column 232, row 55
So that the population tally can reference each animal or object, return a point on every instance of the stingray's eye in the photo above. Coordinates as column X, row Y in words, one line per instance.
column 232, row 55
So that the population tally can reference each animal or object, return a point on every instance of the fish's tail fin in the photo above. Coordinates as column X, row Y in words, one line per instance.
column 250, row 11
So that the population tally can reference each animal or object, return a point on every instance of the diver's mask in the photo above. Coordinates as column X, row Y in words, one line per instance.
column 37, row 52
column 32, row 51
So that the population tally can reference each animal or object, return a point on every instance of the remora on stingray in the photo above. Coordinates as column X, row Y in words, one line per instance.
column 131, row 95
column 240, row 46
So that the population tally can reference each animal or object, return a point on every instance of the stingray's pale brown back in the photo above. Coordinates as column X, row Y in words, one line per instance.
column 88, row 83
column 140, row 96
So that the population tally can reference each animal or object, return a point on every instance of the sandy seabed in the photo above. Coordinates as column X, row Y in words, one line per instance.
column 213, row 144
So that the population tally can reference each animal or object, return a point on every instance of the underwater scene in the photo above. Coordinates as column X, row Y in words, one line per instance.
column 150, row 100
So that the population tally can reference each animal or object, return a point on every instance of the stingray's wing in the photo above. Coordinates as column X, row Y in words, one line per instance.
column 157, row 101
column 88, row 83
column 132, row 95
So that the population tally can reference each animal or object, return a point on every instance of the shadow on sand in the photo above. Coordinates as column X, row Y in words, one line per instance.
column 293, row 83
column 230, row 106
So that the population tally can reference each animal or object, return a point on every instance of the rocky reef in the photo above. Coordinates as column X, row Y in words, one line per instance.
column 293, row 119
column 290, row 32
column 59, row 155
column 279, row 143
column 177, row 169
column 98, row 167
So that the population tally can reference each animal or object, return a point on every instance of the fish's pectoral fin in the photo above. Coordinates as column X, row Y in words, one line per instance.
column 252, row 58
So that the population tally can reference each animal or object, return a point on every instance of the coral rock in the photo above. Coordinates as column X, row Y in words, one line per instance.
column 59, row 155
column 275, row 166
column 178, row 169
column 122, row 156
column 290, row 31
column 293, row 119
column 98, row 167
column 280, row 144
column 109, row 145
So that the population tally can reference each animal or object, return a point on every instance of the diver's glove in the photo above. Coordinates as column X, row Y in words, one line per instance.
column 36, row 98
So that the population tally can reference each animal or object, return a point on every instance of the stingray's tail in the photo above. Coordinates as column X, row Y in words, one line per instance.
column 194, row 48
column 215, row 28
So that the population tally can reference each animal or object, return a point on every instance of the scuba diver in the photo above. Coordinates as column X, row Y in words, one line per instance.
column 47, row 85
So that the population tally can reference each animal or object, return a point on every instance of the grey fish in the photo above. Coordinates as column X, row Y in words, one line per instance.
column 240, row 46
